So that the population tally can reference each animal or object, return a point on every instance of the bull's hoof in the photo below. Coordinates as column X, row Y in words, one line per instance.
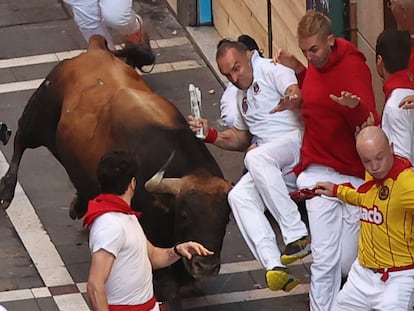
column 77, row 208
column 4, row 204
column 7, row 187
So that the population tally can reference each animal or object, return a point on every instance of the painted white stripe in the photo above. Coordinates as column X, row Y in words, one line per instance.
column 15, row 295
column 20, row 86
column 251, row 265
column 55, row 57
column 255, row 294
column 35, row 239
column 71, row 302
column 158, row 68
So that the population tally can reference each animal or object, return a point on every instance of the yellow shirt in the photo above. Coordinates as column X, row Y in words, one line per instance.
column 386, row 207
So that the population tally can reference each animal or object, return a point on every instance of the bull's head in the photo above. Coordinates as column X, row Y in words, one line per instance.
column 201, row 214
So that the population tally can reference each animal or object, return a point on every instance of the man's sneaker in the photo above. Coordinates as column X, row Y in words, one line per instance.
column 280, row 279
column 296, row 250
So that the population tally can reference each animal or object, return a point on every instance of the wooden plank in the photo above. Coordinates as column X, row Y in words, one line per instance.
column 259, row 10
column 223, row 22
column 173, row 5
column 285, row 18
column 244, row 20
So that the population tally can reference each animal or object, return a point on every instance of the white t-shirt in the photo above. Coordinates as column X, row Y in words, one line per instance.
column 398, row 124
column 269, row 86
column 228, row 105
column 130, row 280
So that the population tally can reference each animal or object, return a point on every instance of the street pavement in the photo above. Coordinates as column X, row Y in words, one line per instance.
column 44, row 256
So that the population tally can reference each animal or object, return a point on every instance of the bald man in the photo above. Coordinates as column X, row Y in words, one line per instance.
column 381, row 278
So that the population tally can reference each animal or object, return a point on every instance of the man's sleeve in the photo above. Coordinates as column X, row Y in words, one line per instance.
column 407, row 189
column 398, row 124
column 281, row 77
column 360, row 84
column 106, row 235
column 348, row 194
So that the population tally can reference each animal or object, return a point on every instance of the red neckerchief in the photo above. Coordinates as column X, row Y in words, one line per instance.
column 400, row 164
column 105, row 203
column 402, row 79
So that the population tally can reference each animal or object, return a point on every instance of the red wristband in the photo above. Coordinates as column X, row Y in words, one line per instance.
column 211, row 136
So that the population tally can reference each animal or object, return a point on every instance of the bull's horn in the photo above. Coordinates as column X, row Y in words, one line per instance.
column 159, row 184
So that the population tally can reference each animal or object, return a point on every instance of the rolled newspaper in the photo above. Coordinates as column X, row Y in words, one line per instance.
column 195, row 104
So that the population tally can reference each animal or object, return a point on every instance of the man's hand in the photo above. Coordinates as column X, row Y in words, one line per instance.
column 346, row 99
column 288, row 103
column 368, row 122
column 325, row 188
column 289, row 60
column 195, row 125
column 188, row 249
column 407, row 102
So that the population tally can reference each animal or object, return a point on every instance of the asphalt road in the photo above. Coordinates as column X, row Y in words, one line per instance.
column 44, row 256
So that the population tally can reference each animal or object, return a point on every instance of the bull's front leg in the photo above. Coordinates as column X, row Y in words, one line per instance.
column 167, row 290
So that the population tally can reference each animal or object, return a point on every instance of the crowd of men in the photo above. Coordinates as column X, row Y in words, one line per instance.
column 316, row 132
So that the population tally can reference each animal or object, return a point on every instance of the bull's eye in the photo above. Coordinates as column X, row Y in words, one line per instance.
column 184, row 219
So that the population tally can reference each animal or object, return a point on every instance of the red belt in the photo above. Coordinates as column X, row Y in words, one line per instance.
column 147, row 306
column 385, row 271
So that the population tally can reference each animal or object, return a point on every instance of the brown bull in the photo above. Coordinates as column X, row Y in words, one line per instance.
column 93, row 104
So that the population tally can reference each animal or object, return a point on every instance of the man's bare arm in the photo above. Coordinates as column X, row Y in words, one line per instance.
column 101, row 265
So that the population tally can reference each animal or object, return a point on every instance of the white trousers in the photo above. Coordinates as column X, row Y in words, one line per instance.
column 334, row 228
column 265, row 186
column 365, row 291
column 95, row 16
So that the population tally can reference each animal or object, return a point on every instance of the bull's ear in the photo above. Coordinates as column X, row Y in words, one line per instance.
column 158, row 184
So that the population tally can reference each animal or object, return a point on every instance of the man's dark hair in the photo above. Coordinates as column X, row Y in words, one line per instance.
column 248, row 41
column 395, row 48
column 226, row 44
column 115, row 171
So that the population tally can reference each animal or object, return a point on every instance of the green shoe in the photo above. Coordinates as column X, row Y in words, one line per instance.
column 296, row 250
column 280, row 279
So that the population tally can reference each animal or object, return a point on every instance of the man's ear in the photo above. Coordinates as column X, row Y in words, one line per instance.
column 331, row 40
column 133, row 183
column 379, row 60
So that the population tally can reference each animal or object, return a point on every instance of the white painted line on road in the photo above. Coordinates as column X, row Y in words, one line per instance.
column 158, row 68
column 250, row 295
column 20, row 86
column 39, row 246
column 252, row 265
column 71, row 302
column 14, row 295
column 55, row 57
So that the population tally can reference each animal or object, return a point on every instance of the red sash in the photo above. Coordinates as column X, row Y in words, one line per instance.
column 147, row 306
column 385, row 271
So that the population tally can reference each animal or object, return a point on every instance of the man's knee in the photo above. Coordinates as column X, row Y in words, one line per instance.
column 234, row 196
column 252, row 157
column 119, row 18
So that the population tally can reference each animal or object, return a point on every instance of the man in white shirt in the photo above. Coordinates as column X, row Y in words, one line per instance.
column 120, row 275
column 393, row 50
column 262, row 86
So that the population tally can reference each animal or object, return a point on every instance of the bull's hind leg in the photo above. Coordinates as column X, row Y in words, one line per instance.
column 36, row 127
column 9, row 180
